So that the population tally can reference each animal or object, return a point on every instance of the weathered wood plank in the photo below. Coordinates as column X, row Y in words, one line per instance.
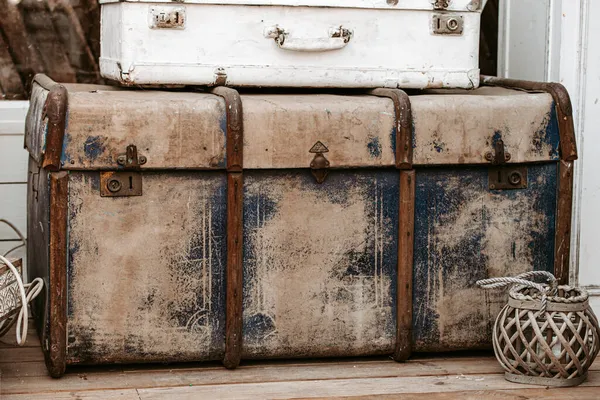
column 577, row 393
column 344, row 387
column 20, row 354
column 119, row 394
column 9, row 340
column 166, row 377
column 23, row 369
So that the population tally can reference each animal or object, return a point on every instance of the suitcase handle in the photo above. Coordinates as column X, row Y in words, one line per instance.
column 338, row 38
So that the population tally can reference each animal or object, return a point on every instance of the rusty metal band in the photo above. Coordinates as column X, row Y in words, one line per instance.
column 235, row 181
column 55, row 342
column 55, row 109
column 404, row 301
column 568, row 154
column 404, row 125
column 568, row 147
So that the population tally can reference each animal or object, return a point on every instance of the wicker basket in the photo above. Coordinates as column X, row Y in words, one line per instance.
column 546, row 334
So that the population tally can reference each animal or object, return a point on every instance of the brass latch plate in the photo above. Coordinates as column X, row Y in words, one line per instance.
column 507, row 177
column 120, row 183
column 447, row 24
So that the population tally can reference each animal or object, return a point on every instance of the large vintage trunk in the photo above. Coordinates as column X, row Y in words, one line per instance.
column 192, row 226
column 292, row 43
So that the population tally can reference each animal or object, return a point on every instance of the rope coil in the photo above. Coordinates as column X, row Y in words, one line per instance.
column 545, row 290
column 27, row 292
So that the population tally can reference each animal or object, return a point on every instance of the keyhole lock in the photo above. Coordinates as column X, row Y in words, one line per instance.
column 114, row 185
column 452, row 24
column 515, row 178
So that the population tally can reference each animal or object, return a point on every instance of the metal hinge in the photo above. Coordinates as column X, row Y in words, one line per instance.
column 127, row 182
column 503, row 176
column 319, row 166
column 441, row 4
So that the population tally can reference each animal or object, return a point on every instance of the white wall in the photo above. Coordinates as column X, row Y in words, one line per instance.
column 553, row 40
column 13, row 174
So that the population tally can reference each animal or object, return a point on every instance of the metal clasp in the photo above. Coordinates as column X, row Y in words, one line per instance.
column 127, row 182
column 319, row 166
column 499, row 156
column 503, row 176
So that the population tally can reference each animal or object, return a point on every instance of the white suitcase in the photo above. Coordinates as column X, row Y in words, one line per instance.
column 292, row 43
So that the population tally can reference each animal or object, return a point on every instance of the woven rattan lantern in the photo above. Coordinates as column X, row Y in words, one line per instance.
column 546, row 334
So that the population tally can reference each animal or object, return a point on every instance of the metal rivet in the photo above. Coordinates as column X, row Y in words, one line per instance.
column 121, row 160
column 492, row 186
column 507, row 156
column 489, row 156
column 142, row 160
column 392, row 2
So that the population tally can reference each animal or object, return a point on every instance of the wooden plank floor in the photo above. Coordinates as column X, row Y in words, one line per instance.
column 436, row 377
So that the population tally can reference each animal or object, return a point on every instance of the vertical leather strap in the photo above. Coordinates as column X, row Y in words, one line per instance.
column 55, row 342
column 235, row 182
column 404, row 301
column 404, row 158
column 404, row 128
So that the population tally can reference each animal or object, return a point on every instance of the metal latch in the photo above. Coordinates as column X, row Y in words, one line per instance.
column 127, row 182
column 502, row 176
column 167, row 17
column 447, row 24
column 319, row 166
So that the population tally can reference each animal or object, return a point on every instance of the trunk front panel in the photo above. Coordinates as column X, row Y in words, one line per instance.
column 147, row 273
column 465, row 232
column 320, row 263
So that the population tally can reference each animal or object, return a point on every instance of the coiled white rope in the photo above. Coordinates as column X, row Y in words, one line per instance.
column 545, row 290
column 28, row 292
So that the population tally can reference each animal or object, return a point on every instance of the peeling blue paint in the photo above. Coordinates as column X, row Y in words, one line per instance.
column 439, row 146
column 223, row 127
column 393, row 138
column 93, row 147
column 374, row 147
column 552, row 133
column 65, row 158
column 497, row 136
